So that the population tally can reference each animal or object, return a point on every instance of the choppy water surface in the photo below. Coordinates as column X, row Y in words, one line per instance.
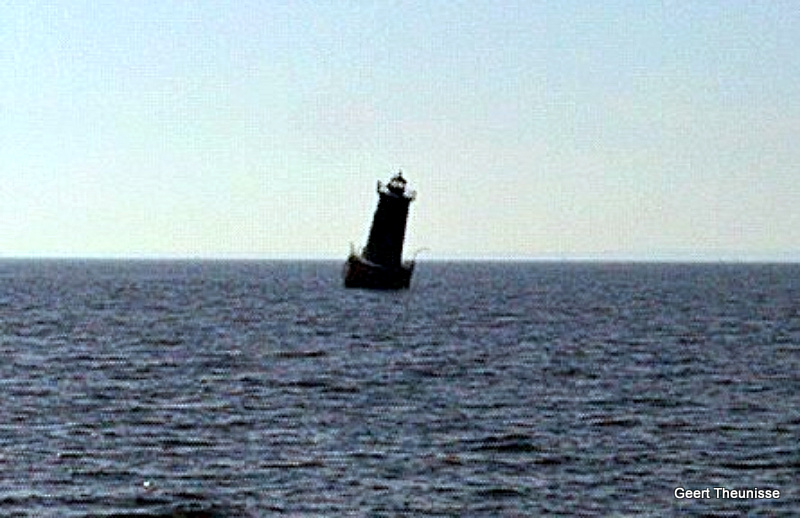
column 488, row 389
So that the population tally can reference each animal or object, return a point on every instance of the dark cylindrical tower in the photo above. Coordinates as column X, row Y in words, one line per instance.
column 385, row 245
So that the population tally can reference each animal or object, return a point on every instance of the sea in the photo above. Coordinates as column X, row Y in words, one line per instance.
column 191, row 389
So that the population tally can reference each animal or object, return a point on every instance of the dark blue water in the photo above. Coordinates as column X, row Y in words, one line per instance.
column 488, row 389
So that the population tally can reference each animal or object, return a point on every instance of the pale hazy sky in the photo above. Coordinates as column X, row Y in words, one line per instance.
column 531, row 129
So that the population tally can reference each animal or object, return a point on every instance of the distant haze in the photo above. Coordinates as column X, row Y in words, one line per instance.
column 531, row 130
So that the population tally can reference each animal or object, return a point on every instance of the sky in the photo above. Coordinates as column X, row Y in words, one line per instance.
column 652, row 130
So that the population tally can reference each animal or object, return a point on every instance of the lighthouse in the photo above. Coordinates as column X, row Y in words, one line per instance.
column 380, row 265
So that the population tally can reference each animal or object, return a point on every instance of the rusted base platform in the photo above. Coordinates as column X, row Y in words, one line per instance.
column 360, row 273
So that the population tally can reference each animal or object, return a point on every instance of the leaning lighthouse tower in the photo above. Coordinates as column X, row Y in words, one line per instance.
column 380, row 265
column 388, row 232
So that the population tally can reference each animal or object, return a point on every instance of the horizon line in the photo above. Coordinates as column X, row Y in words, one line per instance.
column 599, row 258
